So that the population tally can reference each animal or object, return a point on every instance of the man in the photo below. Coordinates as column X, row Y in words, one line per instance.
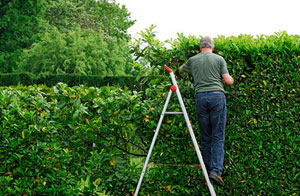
column 210, row 72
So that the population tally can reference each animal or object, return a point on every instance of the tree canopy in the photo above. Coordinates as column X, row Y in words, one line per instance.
column 106, row 15
column 20, row 25
column 81, row 51
column 31, row 30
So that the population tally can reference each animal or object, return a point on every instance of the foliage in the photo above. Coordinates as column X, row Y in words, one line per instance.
column 263, row 124
column 56, row 142
column 149, row 53
column 97, row 29
column 108, row 16
column 138, row 83
column 80, row 51
column 20, row 24
column 100, row 136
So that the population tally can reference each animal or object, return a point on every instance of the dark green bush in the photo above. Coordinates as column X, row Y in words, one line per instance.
column 262, row 135
column 50, row 80
column 58, row 142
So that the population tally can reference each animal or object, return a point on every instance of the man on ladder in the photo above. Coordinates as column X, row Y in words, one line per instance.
column 210, row 72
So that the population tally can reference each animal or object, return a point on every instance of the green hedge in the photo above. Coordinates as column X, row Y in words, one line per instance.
column 57, row 141
column 262, row 133
column 86, row 140
column 72, row 80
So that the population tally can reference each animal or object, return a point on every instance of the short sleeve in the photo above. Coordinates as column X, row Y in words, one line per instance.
column 187, row 67
column 223, row 65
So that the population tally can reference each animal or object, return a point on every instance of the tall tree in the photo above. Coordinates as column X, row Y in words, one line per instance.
column 26, row 23
column 108, row 16
column 81, row 51
column 19, row 28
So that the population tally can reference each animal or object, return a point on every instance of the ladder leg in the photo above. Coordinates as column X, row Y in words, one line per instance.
column 211, row 188
column 152, row 144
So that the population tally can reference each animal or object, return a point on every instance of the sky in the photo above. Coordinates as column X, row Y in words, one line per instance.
column 214, row 17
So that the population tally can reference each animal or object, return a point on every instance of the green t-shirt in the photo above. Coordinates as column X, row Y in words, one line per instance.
column 207, row 70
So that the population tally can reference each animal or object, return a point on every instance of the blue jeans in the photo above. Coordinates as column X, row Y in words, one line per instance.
column 211, row 111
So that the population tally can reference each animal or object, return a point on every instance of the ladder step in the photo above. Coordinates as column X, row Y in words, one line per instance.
column 173, row 112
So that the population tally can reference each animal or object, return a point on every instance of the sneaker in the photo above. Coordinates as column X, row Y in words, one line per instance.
column 216, row 179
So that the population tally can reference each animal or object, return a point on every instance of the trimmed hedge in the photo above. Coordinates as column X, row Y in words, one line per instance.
column 97, row 136
column 72, row 80
column 262, row 133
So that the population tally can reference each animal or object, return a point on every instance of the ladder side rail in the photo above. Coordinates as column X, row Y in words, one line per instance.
column 152, row 144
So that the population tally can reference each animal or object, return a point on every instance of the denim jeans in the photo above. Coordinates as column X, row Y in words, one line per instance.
column 211, row 112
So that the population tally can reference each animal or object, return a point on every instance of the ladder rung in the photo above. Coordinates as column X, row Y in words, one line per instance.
column 173, row 112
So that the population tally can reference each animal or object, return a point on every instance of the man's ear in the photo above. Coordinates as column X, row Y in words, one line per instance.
column 213, row 49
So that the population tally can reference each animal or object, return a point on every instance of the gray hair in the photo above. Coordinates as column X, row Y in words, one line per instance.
column 207, row 42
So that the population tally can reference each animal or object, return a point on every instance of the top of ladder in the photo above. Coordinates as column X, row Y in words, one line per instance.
column 168, row 69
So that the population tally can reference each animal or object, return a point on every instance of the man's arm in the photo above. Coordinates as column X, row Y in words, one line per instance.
column 227, row 79
column 178, row 72
column 181, row 69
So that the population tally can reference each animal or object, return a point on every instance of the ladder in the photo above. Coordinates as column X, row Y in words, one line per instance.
column 174, row 88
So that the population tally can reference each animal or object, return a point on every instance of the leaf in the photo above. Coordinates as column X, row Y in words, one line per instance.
column 113, row 162
column 265, row 83
column 36, row 180
column 254, row 121
column 98, row 179
column 77, row 104
column 76, row 114
column 168, row 188
column 55, row 89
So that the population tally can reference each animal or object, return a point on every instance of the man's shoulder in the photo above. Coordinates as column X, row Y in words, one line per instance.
column 196, row 56
column 219, row 58
column 202, row 55
column 217, row 55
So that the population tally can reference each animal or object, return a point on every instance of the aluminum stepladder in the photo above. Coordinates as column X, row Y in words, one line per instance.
column 174, row 88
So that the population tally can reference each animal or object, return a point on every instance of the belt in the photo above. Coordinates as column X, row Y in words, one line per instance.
column 212, row 92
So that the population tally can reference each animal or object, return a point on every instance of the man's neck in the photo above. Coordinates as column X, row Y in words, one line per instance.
column 206, row 50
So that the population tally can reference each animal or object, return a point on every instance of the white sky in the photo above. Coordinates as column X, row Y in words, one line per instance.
column 214, row 17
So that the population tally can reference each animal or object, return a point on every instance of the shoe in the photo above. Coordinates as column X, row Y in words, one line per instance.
column 216, row 179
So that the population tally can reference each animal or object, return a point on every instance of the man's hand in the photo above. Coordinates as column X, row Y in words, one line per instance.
column 177, row 73
column 227, row 79
column 180, row 69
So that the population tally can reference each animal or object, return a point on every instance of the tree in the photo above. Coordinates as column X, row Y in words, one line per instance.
column 82, row 51
column 106, row 15
column 27, row 25
column 20, row 24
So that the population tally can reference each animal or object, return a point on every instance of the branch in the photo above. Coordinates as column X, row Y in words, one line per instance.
column 138, row 155
column 125, row 139
column 97, row 131
column 143, row 142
